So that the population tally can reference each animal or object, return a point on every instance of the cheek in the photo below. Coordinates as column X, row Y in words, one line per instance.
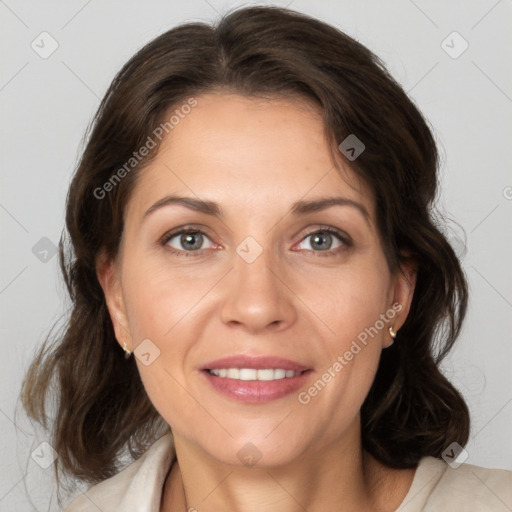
column 159, row 304
column 158, row 297
column 355, row 306
column 352, row 302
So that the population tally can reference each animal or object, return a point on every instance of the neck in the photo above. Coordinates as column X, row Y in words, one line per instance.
column 341, row 477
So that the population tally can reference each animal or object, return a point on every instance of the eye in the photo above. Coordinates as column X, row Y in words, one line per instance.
column 187, row 240
column 326, row 240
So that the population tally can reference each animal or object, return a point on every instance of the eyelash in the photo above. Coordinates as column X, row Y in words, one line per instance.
column 342, row 237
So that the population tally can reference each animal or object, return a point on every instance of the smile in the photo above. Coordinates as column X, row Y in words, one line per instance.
column 248, row 374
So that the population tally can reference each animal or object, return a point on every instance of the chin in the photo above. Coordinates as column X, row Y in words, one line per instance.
column 255, row 454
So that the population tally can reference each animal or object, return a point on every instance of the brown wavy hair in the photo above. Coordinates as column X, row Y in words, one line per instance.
column 101, row 410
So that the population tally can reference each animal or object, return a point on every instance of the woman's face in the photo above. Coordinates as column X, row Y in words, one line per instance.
column 258, row 333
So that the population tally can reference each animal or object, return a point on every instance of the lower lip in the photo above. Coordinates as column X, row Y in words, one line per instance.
column 256, row 391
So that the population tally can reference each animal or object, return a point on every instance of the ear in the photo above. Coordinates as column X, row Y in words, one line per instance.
column 403, row 290
column 110, row 282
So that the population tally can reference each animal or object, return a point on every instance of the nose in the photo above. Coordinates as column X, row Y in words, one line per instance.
column 257, row 296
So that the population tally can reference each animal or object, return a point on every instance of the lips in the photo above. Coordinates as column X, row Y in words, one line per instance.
column 255, row 379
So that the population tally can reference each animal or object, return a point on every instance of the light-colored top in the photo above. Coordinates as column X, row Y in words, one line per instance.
column 436, row 486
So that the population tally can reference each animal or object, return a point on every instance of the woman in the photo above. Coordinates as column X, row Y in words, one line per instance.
column 261, row 295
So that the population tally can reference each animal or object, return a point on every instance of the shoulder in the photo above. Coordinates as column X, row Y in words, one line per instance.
column 473, row 487
column 437, row 486
column 136, row 488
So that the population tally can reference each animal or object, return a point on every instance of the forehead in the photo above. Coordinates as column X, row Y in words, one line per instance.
column 244, row 152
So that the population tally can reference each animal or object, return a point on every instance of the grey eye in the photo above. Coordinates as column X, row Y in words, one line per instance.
column 322, row 241
column 188, row 241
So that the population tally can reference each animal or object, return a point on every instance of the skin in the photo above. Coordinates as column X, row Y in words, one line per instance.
column 255, row 158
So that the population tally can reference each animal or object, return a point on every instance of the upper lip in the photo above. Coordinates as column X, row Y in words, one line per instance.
column 256, row 362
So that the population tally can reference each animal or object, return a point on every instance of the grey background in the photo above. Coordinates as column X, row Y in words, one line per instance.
column 46, row 105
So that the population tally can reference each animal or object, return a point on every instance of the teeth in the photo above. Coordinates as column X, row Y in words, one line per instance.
column 233, row 373
column 254, row 374
column 248, row 374
column 279, row 374
column 267, row 374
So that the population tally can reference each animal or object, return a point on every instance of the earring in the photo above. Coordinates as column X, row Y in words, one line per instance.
column 392, row 333
column 127, row 352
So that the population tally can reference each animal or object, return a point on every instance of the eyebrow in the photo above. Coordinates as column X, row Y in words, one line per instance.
column 298, row 208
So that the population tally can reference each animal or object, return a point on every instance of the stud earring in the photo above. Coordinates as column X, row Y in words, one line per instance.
column 127, row 352
column 392, row 333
